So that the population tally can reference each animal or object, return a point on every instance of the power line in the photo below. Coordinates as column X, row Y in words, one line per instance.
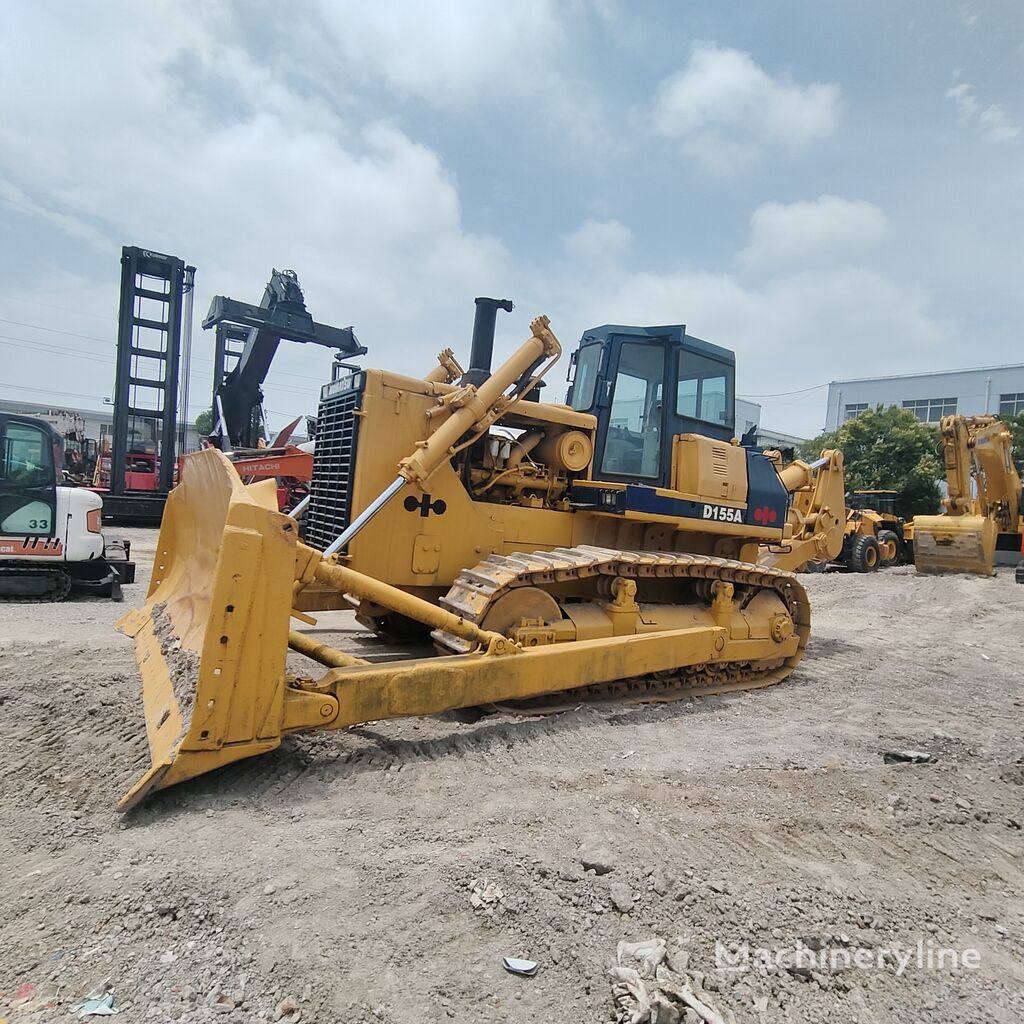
column 786, row 394
column 13, row 342
column 54, row 330
column 111, row 344
column 34, row 303
column 48, row 391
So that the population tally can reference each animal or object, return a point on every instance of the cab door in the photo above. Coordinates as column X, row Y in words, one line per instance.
column 631, row 439
column 28, row 482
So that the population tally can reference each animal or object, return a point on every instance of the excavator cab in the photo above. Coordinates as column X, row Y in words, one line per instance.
column 30, row 452
column 646, row 386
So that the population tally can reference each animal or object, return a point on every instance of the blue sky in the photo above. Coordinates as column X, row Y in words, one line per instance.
column 832, row 190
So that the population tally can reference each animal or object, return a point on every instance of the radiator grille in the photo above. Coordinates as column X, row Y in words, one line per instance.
column 720, row 460
column 334, row 460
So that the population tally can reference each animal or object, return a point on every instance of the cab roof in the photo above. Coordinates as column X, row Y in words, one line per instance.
column 30, row 421
column 673, row 333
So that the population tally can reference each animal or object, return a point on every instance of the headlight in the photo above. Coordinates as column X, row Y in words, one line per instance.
column 94, row 520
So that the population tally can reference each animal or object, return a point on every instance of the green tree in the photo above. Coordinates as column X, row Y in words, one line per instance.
column 888, row 449
column 1016, row 425
column 204, row 424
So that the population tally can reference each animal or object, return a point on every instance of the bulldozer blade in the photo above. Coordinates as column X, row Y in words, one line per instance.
column 965, row 544
column 212, row 638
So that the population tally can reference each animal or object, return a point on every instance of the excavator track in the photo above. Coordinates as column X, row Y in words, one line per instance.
column 476, row 590
column 56, row 581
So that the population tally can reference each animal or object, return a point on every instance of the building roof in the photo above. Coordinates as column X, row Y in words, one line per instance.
column 929, row 373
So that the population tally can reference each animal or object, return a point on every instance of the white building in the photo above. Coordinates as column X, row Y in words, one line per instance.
column 748, row 414
column 94, row 423
column 996, row 390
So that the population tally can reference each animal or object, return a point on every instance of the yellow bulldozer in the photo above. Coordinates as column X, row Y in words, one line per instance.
column 982, row 509
column 620, row 546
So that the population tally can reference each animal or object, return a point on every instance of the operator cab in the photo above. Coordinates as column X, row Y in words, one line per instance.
column 647, row 385
column 881, row 501
column 30, row 453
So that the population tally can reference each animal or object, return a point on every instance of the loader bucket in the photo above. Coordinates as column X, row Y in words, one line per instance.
column 955, row 544
column 212, row 638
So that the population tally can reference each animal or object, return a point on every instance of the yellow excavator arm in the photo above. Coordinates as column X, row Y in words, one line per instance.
column 983, row 499
column 816, row 516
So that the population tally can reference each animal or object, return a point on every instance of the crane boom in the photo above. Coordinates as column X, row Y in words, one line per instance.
column 280, row 316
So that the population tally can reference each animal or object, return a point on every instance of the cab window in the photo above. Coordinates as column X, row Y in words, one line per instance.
column 588, row 362
column 704, row 389
column 27, row 457
column 633, row 444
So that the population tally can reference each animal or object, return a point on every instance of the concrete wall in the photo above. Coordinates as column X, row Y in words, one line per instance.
column 973, row 393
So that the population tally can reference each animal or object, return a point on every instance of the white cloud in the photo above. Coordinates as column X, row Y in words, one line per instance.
column 817, row 230
column 796, row 329
column 996, row 125
column 963, row 96
column 458, row 55
column 599, row 242
column 176, row 137
column 448, row 53
column 969, row 15
column 729, row 111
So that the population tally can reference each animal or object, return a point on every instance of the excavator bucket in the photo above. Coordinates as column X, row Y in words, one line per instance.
column 955, row 544
column 212, row 638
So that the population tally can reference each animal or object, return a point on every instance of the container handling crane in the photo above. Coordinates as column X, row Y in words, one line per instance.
column 620, row 546
column 281, row 315
column 983, row 505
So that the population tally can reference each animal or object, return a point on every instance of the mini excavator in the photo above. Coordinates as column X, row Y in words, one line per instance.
column 621, row 546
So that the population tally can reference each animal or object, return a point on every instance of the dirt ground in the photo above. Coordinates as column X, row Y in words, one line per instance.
column 380, row 874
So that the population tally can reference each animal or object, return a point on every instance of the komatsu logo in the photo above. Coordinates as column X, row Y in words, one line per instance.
column 723, row 513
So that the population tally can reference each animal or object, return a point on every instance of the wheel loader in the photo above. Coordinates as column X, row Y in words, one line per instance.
column 982, row 509
column 875, row 536
column 620, row 546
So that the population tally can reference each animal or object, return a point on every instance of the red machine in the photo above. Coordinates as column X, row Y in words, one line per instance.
column 292, row 467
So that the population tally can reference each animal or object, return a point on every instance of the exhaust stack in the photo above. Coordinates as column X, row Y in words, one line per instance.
column 482, row 350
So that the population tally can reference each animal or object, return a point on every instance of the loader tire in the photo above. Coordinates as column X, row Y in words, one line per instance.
column 890, row 540
column 864, row 555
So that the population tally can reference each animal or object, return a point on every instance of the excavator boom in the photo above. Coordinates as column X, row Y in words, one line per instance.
column 983, row 498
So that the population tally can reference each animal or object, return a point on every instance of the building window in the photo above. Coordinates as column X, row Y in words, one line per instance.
column 931, row 410
column 1010, row 405
column 853, row 411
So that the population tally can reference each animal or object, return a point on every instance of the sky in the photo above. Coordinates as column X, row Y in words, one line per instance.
column 832, row 190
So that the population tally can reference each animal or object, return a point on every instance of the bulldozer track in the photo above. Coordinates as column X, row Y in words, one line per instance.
column 60, row 583
column 475, row 591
